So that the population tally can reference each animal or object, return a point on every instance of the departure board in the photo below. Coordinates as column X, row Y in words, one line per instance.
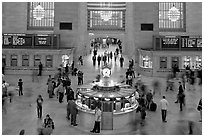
column 191, row 42
column 43, row 40
column 17, row 40
column 170, row 42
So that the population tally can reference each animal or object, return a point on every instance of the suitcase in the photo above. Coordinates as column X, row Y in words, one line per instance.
column 153, row 106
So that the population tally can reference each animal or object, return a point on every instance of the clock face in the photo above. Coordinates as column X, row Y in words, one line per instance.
column 106, row 72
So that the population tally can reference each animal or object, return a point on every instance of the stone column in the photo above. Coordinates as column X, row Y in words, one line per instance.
column 82, row 31
column 129, row 45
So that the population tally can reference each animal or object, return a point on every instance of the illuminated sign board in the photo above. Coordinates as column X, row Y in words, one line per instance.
column 42, row 40
column 170, row 42
column 191, row 42
column 17, row 40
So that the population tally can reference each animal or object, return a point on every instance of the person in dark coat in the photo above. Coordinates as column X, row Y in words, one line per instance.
column 70, row 96
column 20, row 86
column 121, row 61
column 149, row 98
column 181, row 96
column 111, row 55
column 99, row 60
column 95, row 52
column 199, row 108
column 40, row 69
column 69, row 93
column 48, row 124
column 50, row 89
column 39, row 106
column 66, row 69
column 72, row 65
column 117, row 51
column 180, row 92
column 80, row 77
column 22, row 132
column 73, row 110
column 94, row 60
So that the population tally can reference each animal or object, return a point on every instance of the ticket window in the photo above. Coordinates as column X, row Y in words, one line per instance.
column 14, row 60
column 198, row 62
column 175, row 62
column 65, row 60
column 187, row 61
column 37, row 60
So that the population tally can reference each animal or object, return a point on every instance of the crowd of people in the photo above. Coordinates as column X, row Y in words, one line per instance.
column 60, row 86
column 107, row 57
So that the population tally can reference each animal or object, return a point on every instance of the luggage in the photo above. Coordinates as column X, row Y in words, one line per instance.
column 153, row 106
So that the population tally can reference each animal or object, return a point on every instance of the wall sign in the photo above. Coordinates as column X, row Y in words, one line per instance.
column 42, row 40
column 17, row 40
column 170, row 42
column 191, row 42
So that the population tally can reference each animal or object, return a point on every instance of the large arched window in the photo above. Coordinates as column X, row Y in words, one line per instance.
column 172, row 16
column 106, row 15
column 40, row 15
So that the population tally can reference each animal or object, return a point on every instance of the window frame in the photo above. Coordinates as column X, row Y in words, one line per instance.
column 29, row 27
column 25, row 61
column 47, row 62
column 36, row 63
column 172, row 60
column 13, row 63
column 167, row 22
column 163, row 62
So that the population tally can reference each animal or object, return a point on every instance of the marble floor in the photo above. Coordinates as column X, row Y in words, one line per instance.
column 21, row 113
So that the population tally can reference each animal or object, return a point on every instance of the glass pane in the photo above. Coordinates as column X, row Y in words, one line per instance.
column 171, row 15
column 41, row 14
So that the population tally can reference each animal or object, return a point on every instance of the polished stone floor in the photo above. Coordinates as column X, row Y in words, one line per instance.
column 21, row 113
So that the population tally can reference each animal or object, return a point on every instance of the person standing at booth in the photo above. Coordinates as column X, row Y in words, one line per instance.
column 96, row 128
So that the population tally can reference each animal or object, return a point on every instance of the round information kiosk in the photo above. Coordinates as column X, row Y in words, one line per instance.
column 117, row 103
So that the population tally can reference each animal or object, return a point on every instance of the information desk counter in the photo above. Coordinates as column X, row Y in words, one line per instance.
column 118, row 107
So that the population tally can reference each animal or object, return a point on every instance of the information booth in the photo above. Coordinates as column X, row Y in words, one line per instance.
column 116, row 101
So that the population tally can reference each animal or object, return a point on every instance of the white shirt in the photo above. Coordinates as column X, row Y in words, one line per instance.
column 98, row 115
column 164, row 104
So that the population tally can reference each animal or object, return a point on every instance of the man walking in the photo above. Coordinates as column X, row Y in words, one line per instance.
column 39, row 106
column 164, row 104
column 96, row 128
